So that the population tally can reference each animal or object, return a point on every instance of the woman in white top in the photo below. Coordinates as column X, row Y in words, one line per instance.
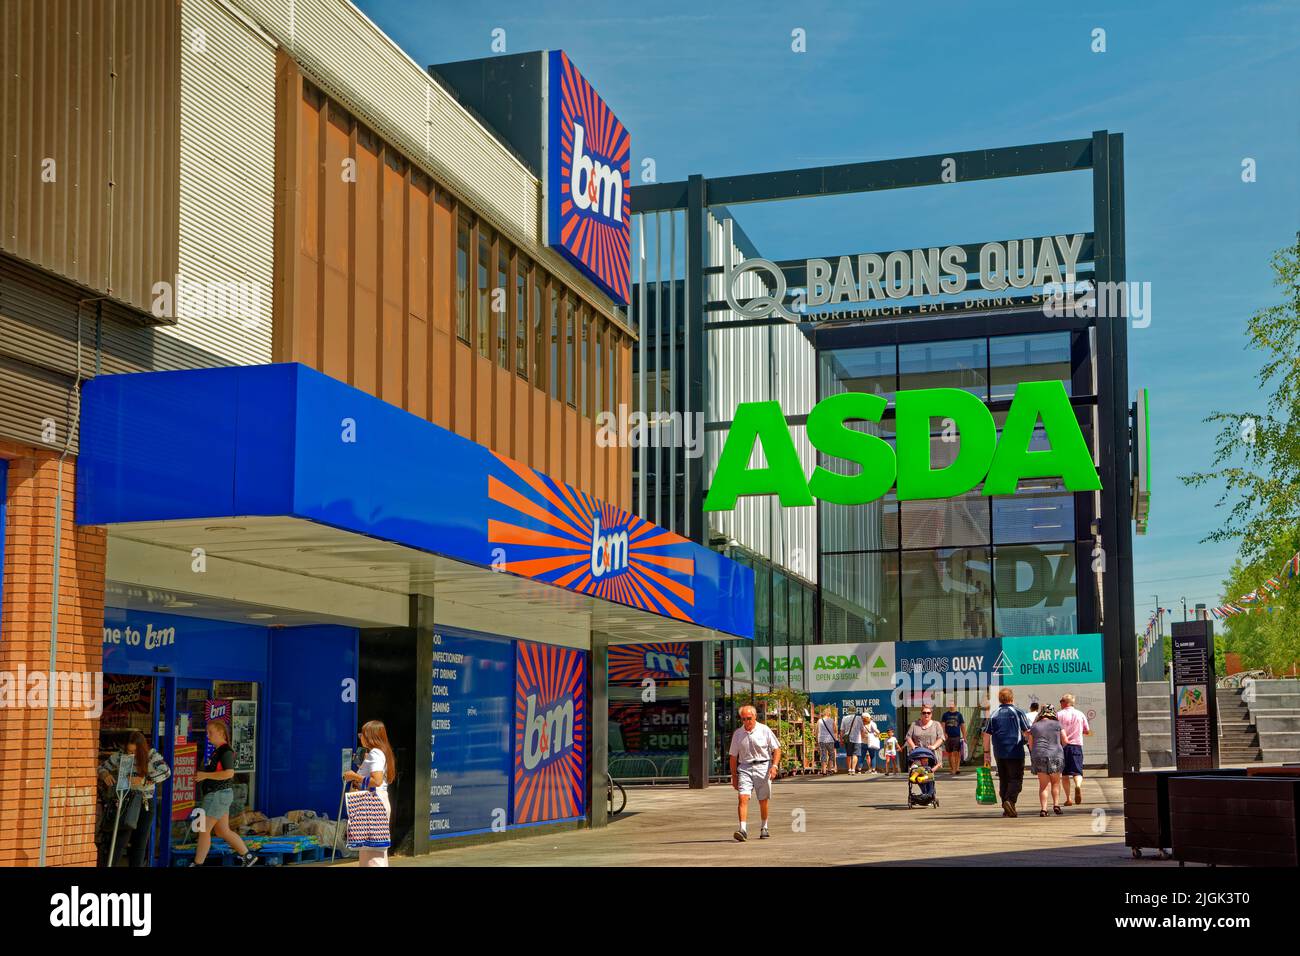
column 873, row 743
column 377, row 771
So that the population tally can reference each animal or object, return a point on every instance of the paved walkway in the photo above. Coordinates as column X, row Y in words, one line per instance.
column 846, row 821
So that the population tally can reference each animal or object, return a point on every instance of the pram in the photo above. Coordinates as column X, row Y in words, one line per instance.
column 921, row 792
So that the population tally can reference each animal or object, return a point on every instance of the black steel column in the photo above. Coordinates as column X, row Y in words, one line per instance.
column 598, row 737
column 1113, row 452
column 1123, row 463
column 421, row 617
column 698, row 727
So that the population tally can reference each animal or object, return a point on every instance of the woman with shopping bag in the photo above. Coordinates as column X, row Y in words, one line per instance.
column 369, row 811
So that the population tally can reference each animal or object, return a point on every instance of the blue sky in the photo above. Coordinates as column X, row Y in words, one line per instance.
column 1195, row 89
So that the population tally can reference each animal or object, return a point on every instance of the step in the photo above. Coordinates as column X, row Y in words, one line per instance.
column 1277, row 686
column 1280, row 756
column 1274, row 722
column 1157, row 758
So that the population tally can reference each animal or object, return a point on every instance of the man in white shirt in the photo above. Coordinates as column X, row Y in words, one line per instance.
column 755, row 758
column 851, row 728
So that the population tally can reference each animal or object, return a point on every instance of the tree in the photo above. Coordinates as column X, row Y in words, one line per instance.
column 1257, row 458
column 1257, row 452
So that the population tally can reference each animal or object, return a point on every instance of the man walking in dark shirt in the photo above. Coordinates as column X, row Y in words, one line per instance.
column 1005, row 734
column 954, row 733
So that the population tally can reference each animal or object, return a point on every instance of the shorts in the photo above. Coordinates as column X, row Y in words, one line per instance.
column 1046, row 764
column 826, row 750
column 952, row 745
column 217, row 803
column 1073, row 764
column 859, row 749
column 752, row 779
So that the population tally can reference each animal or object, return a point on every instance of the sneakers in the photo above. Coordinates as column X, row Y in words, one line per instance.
column 763, row 834
column 1009, row 808
column 741, row 836
column 248, row 859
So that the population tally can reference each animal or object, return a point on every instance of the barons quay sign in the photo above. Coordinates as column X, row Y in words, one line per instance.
column 981, row 456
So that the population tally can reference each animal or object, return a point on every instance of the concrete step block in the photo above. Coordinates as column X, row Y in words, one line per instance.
column 1274, row 722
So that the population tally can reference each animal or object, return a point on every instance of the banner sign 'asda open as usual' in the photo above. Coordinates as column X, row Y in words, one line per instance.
column 981, row 456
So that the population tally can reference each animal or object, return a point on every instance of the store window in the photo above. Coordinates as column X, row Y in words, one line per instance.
column 946, row 593
column 463, row 229
column 1036, row 590
column 554, row 377
column 873, row 370
column 484, row 305
column 762, row 605
column 522, row 270
column 614, row 397
column 504, row 311
column 584, row 366
column 859, row 598
column 539, row 329
column 1040, row 510
column 945, row 522
column 960, row 364
column 1028, row 358
column 598, row 350
column 780, row 608
column 570, row 386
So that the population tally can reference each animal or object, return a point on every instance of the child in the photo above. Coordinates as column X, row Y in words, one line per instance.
column 890, row 750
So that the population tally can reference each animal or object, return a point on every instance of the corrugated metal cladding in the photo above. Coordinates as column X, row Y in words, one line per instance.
column 227, row 183
column 89, row 137
column 365, row 276
column 353, row 61
column 754, row 364
column 38, row 349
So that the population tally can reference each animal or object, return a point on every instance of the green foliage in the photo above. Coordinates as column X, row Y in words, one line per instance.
column 1257, row 460
column 1257, row 451
column 1265, row 640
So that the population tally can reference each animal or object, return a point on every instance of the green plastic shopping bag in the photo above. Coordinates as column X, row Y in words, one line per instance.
column 984, row 786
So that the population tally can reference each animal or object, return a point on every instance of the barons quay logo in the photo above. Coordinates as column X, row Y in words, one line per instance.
column 589, row 180
column 1000, row 464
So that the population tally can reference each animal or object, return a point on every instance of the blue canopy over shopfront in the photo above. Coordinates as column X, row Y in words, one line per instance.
column 278, row 526
column 285, row 440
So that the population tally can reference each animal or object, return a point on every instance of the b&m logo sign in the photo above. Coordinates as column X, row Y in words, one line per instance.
column 550, row 732
column 551, row 532
column 636, row 662
column 608, row 550
column 589, row 180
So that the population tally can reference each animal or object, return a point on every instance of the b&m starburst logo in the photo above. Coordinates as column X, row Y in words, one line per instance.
column 636, row 662
column 551, row 532
column 550, row 732
column 589, row 185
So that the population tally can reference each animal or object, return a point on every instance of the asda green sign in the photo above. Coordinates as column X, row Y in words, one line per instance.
column 981, row 456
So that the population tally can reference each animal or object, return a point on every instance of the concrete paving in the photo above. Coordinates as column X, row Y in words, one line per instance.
column 845, row 821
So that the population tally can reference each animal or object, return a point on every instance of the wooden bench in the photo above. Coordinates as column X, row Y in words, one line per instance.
column 1235, row 821
column 1146, row 807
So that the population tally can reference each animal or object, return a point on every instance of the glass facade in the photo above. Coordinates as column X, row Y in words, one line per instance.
column 966, row 567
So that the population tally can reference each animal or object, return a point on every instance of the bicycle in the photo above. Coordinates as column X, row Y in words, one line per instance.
column 617, row 800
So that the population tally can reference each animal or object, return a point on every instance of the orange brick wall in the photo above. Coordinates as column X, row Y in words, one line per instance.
column 25, row 640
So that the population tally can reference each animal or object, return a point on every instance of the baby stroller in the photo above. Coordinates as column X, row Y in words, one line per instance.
column 921, row 762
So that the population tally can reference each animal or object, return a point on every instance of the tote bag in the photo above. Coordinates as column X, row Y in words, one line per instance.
column 367, row 820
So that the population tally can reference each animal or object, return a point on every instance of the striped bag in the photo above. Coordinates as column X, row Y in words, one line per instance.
column 367, row 821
